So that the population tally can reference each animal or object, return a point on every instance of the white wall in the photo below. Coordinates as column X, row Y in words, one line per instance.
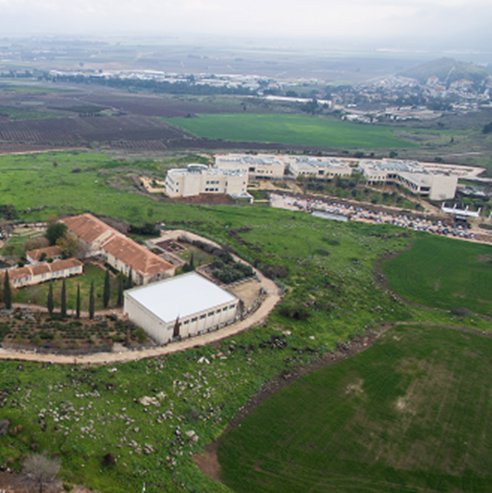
column 190, row 326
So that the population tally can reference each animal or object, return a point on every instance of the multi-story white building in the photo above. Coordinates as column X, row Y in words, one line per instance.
column 322, row 168
column 258, row 166
column 197, row 179
column 411, row 175
column 184, row 306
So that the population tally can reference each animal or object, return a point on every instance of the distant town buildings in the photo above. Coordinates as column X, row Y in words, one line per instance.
column 411, row 175
column 119, row 251
column 184, row 306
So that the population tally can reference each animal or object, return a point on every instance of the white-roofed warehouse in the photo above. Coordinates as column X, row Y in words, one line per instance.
column 198, row 304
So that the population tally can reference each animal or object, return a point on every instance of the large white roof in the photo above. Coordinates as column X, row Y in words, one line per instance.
column 180, row 296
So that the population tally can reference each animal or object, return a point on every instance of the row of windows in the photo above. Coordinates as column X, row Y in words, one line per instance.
column 209, row 314
column 211, row 189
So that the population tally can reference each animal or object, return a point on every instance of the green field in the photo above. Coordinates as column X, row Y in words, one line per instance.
column 443, row 273
column 291, row 129
column 396, row 418
column 331, row 295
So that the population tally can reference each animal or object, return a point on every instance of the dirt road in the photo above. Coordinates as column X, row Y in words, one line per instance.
column 272, row 297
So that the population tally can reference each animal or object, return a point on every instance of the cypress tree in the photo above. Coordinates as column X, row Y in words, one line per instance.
column 107, row 290
column 7, row 292
column 49, row 303
column 91, row 301
column 63, row 299
column 177, row 326
column 77, row 305
column 120, row 291
column 129, row 280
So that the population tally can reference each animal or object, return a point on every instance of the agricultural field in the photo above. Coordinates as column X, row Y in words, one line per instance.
column 326, row 269
column 409, row 414
column 451, row 275
column 298, row 130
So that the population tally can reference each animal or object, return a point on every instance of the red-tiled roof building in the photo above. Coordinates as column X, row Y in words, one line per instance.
column 119, row 251
column 40, row 254
column 42, row 272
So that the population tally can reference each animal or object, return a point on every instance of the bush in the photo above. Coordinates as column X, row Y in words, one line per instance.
column 295, row 311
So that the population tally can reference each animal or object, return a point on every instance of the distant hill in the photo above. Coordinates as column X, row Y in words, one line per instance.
column 447, row 70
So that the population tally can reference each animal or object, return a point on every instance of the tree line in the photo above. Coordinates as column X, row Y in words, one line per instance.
column 124, row 282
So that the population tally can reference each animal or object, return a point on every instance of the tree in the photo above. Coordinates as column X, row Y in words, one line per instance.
column 77, row 303
column 68, row 244
column 177, row 326
column 107, row 290
column 190, row 265
column 7, row 291
column 129, row 280
column 49, row 303
column 63, row 299
column 91, row 301
column 120, row 291
column 487, row 128
column 55, row 231
column 40, row 471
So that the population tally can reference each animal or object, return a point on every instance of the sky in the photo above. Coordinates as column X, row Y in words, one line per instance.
column 451, row 23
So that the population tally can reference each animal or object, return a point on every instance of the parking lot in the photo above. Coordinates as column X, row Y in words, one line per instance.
column 375, row 216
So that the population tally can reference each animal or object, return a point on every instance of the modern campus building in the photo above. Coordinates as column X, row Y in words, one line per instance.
column 411, row 175
column 197, row 179
column 119, row 251
column 43, row 272
column 181, row 307
column 322, row 168
column 257, row 166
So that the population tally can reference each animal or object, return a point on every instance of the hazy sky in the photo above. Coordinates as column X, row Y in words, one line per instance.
column 467, row 22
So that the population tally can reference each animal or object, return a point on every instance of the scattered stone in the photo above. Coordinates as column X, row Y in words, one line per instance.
column 148, row 449
column 148, row 401
column 4, row 426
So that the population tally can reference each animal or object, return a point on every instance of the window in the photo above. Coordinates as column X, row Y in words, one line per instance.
column 202, row 316
column 194, row 319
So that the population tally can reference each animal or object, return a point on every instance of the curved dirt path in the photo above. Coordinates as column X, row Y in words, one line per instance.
column 273, row 296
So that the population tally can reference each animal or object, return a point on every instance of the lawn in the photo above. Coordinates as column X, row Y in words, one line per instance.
column 396, row 418
column 444, row 273
column 291, row 129
column 38, row 295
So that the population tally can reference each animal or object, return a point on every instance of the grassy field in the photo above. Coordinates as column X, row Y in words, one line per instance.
column 25, row 113
column 443, row 273
column 38, row 294
column 396, row 418
column 291, row 129
column 82, row 413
